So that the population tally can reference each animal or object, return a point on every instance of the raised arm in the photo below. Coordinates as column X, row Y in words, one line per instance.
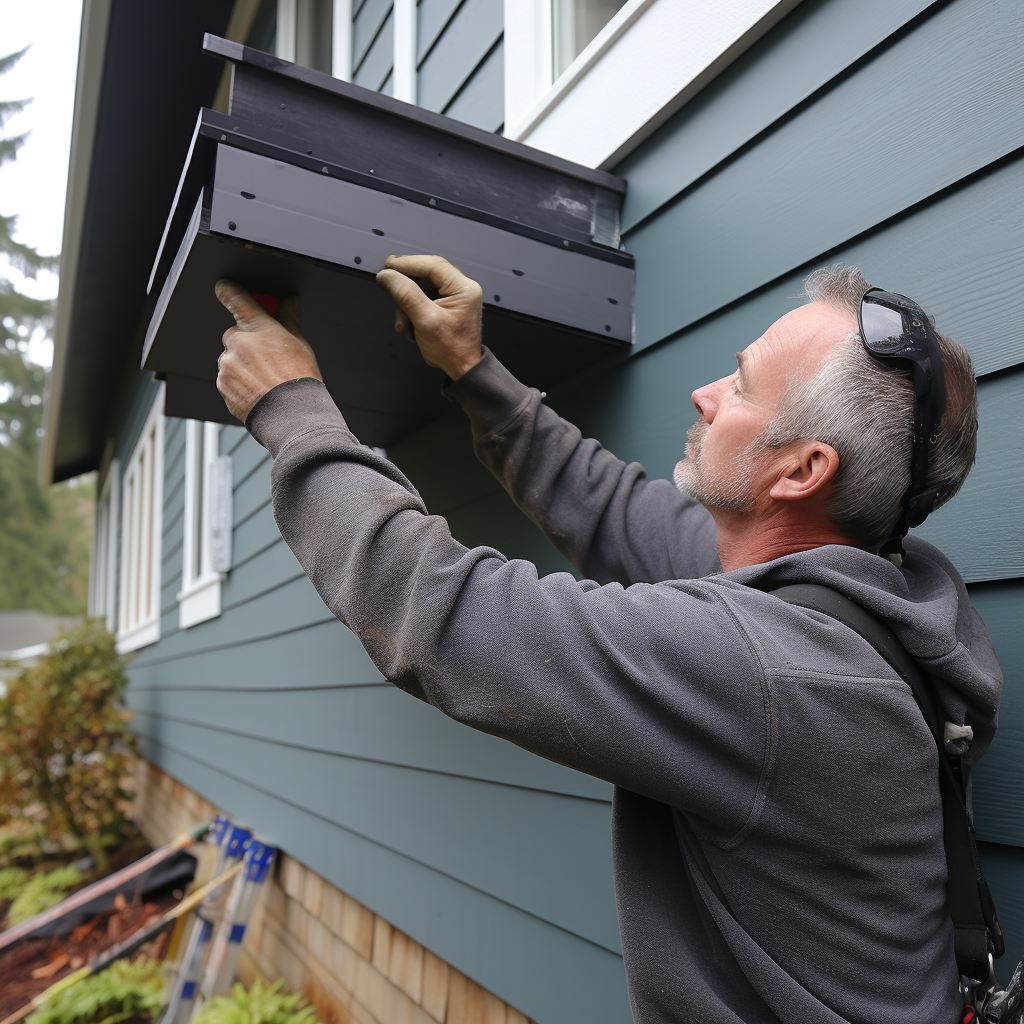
column 615, row 682
column 603, row 514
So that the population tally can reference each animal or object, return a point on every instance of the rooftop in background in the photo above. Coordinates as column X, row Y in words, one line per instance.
column 23, row 629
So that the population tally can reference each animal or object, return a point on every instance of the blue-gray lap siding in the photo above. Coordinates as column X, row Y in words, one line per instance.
column 886, row 134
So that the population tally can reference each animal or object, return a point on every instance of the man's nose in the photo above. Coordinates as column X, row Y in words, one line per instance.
column 705, row 402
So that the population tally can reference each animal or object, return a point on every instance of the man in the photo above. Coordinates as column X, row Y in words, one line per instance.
column 777, row 826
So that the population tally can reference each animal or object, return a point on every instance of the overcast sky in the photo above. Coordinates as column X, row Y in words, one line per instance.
column 34, row 185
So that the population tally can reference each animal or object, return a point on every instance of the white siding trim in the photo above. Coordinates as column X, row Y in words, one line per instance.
column 404, row 66
column 641, row 67
column 142, row 535
column 341, row 43
column 287, row 25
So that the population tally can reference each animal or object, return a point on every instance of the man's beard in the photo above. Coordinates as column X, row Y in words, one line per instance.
column 692, row 477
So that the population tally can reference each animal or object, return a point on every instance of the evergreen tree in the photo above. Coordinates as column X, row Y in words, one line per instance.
column 44, row 534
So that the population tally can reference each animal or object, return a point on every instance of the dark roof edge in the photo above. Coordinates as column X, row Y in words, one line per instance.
column 88, row 88
column 239, row 54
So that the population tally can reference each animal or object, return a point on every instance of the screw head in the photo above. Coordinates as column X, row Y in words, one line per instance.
column 231, row 225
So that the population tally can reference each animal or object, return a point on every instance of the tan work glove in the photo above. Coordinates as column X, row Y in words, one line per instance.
column 446, row 329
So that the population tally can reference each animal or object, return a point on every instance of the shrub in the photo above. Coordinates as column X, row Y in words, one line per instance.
column 257, row 1006
column 41, row 891
column 65, row 744
column 12, row 881
column 124, row 991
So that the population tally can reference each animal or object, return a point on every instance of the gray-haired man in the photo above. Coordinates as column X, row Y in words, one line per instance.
column 777, row 737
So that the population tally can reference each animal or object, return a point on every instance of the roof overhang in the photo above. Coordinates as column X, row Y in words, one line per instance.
column 142, row 76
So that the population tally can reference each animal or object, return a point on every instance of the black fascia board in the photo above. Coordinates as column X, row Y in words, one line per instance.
column 245, row 57
column 351, row 127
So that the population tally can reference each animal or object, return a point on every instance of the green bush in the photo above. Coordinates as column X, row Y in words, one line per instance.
column 257, row 1006
column 12, row 881
column 65, row 745
column 124, row 991
column 41, row 891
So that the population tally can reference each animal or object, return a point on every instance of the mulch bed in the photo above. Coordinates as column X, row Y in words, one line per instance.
column 32, row 965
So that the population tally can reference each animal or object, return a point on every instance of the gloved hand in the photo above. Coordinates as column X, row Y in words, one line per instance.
column 260, row 352
column 446, row 329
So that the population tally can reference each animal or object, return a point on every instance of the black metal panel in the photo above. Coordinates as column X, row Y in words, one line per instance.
column 377, row 377
column 408, row 146
column 310, row 190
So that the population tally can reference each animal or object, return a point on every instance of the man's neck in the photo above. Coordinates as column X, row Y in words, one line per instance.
column 752, row 539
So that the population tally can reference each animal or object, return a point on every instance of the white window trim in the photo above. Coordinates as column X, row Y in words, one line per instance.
column 150, row 532
column 341, row 44
column 651, row 58
column 103, row 581
column 199, row 598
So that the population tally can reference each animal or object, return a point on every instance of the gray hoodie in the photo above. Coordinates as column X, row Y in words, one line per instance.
column 771, row 737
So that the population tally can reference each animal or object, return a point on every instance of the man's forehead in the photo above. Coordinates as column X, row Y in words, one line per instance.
column 805, row 336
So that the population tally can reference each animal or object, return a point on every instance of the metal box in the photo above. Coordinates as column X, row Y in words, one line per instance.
column 310, row 183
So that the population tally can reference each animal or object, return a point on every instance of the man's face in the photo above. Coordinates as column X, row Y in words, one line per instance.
column 727, row 467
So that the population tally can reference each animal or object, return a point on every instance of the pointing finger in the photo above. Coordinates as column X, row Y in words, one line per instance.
column 288, row 316
column 248, row 313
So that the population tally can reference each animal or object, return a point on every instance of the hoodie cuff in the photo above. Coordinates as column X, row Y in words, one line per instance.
column 290, row 409
column 489, row 394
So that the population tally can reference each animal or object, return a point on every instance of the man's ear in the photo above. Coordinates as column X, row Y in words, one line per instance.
column 807, row 468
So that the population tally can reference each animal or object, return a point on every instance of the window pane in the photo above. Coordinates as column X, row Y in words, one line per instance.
column 574, row 25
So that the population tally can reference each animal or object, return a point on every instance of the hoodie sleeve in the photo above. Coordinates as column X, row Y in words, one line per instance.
column 603, row 514
column 636, row 686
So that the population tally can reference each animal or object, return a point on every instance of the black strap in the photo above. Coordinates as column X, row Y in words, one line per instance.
column 976, row 927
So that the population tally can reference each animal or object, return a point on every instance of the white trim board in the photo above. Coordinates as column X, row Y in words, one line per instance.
column 651, row 58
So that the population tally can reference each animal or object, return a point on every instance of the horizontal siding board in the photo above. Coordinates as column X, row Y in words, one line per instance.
column 246, row 458
column 1003, row 867
column 998, row 779
column 376, row 65
column 373, row 723
column 323, row 653
column 431, row 18
column 475, row 28
column 251, row 491
column 365, row 26
column 849, row 162
column 805, row 51
column 544, row 971
column 232, row 436
column 275, row 567
column 993, row 496
column 481, row 101
column 252, row 536
column 293, row 606
column 531, row 849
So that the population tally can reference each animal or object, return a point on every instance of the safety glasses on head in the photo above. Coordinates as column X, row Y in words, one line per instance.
column 895, row 328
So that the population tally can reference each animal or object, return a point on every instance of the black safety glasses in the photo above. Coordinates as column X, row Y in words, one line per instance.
column 894, row 327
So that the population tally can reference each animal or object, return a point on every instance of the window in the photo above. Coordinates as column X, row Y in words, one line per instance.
column 141, row 534
column 589, row 80
column 103, row 580
column 206, row 553
column 573, row 24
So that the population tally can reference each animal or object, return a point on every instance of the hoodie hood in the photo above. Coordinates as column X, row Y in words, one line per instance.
column 927, row 605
